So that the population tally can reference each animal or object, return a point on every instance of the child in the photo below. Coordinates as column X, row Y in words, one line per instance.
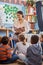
column 34, row 52
column 6, row 53
column 21, row 46
column 41, row 40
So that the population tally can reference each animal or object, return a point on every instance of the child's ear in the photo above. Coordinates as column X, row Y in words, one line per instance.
column 23, row 16
column 26, row 39
column 18, row 39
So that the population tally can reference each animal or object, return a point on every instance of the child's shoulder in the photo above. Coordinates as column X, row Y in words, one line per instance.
column 6, row 46
column 19, row 43
column 30, row 47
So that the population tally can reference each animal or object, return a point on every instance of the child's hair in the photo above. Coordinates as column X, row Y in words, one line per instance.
column 5, row 40
column 20, row 12
column 34, row 39
column 41, row 38
column 42, row 35
column 22, row 38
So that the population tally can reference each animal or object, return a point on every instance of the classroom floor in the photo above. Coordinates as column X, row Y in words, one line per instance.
column 12, row 64
column 16, row 63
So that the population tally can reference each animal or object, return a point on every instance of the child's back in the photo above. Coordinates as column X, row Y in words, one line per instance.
column 5, row 50
column 34, row 52
column 6, row 53
column 34, row 55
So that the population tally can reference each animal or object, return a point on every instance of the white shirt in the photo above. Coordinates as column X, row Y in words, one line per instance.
column 22, row 48
column 23, row 24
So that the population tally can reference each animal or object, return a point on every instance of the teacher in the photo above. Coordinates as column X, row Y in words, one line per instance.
column 21, row 25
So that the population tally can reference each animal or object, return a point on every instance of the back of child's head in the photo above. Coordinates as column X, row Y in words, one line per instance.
column 22, row 38
column 34, row 39
column 5, row 40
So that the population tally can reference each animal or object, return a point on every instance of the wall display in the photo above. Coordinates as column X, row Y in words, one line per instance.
column 8, row 13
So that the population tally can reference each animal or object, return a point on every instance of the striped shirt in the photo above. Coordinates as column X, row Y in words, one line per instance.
column 5, row 52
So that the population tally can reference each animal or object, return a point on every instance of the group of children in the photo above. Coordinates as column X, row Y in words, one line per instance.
column 29, row 54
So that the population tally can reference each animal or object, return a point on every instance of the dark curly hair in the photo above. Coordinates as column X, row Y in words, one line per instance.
column 34, row 39
column 5, row 40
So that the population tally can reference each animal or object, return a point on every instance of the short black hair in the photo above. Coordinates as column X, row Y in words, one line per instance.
column 34, row 39
column 20, row 12
column 5, row 40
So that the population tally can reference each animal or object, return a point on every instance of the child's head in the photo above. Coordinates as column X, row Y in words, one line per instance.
column 5, row 40
column 34, row 39
column 41, row 38
column 22, row 38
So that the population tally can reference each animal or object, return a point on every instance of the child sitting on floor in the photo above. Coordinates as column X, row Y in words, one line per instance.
column 41, row 40
column 21, row 46
column 34, row 52
column 6, row 53
column 33, row 55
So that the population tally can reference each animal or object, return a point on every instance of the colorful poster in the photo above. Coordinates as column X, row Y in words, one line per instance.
column 8, row 13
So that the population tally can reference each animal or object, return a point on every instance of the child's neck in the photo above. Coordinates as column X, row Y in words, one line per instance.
column 5, row 44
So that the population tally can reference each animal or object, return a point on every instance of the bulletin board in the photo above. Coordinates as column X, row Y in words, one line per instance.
column 8, row 13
